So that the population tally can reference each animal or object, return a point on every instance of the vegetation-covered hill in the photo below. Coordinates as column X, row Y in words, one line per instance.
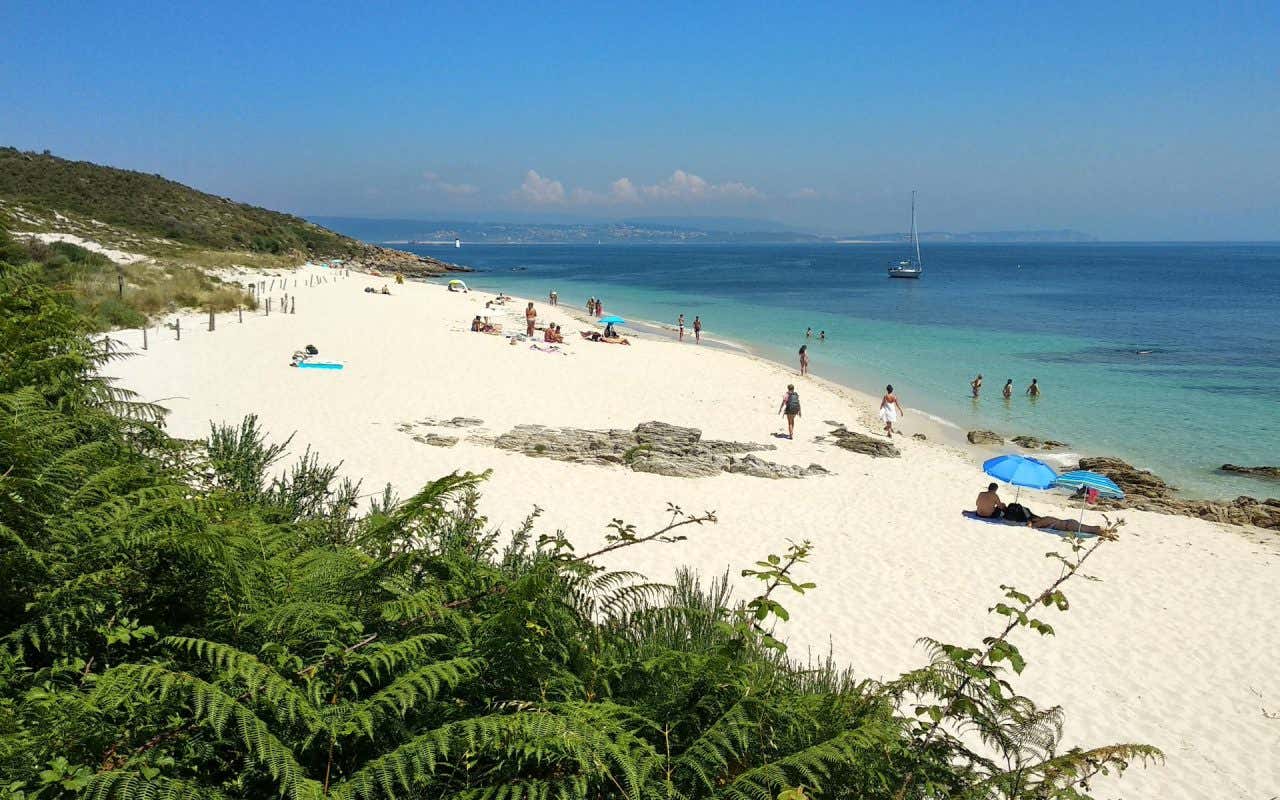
column 156, row 206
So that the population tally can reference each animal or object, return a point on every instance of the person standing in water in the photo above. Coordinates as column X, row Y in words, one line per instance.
column 530, row 317
column 976, row 384
column 890, row 410
column 822, row 336
column 791, row 407
column 808, row 333
column 1034, row 389
column 697, row 329
column 1008, row 389
column 680, row 326
column 804, row 359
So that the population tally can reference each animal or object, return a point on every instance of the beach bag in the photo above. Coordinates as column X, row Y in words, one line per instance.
column 1015, row 512
column 793, row 403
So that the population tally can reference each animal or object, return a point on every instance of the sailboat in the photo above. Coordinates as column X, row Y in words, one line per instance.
column 908, row 268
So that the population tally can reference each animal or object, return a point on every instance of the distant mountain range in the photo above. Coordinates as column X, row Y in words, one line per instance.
column 647, row 230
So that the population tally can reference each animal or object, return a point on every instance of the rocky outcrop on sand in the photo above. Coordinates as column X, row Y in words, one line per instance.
column 862, row 443
column 386, row 260
column 654, row 447
column 984, row 437
column 1035, row 443
column 1272, row 473
column 1148, row 492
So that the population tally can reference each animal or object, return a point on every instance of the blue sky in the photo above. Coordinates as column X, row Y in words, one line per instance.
column 1130, row 121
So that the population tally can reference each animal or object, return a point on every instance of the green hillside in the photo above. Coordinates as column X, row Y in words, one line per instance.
column 158, row 207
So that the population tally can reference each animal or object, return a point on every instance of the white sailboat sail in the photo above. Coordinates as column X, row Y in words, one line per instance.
column 910, row 269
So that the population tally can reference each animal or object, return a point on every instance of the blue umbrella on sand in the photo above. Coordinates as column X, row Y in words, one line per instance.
column 612, row 320
column 1090, row 482
column 1020, row 471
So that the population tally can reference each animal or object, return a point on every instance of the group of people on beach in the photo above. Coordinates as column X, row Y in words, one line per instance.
column 698, row 329
column 1033, row 388
column 990, row 506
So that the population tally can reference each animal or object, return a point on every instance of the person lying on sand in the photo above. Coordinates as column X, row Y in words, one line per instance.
column 1069, row 525
column 989, row 505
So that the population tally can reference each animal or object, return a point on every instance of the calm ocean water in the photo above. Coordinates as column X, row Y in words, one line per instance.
column 1073, row 316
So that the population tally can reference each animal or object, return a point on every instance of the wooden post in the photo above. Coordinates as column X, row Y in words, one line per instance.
column 177, row 327
column 240, row 312
column 210, row 317
column 273, row 284
column 119, row 285
column 144, row 337
column 293, row 307
column 268, row 306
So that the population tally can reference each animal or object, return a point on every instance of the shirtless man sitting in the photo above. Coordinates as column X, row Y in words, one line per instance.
column 989, row 505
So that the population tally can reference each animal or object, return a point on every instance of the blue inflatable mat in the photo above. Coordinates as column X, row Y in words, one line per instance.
column 319, row 365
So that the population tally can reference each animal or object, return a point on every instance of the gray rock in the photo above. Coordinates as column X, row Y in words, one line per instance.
column 1253, row 472
column 919, row 437
column 984, row 437
column 1035, row 443
column 862, row 443
column 658, row 448
column 456, row 422
column 436, row 440
column 1148, row 492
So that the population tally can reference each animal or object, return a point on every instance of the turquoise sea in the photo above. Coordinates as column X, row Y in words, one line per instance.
column 1204, row 390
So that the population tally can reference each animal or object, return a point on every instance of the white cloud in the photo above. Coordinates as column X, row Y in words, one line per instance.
column 435, row 183
column 804, row 194
column 683, row 185
column 680, row 186
column 540, row 191
column 623, row 191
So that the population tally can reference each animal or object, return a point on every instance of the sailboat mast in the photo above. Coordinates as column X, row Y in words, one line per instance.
column 915, row 237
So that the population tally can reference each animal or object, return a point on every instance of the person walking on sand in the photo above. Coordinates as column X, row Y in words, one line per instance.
column 804, row 359
column 791, row 407
column 591, row 306
column 530, row 317
column 976, row 384
column 1008, row 389
column 553, row 298
column 599, row 308
column 680, row 327
column 697, row 329
column 890, row 410
column 1034, row 389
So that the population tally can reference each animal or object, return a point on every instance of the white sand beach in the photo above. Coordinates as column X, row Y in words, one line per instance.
column 1175, row 646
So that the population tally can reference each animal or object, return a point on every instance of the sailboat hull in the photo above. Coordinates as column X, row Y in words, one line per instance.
column 904, row 273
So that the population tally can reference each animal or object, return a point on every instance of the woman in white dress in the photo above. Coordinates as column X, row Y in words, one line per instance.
column 890, row 410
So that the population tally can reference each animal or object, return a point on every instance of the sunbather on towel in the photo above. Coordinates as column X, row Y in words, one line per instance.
column 1069, row 525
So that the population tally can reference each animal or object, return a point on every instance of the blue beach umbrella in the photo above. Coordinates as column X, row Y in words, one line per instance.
column 1020, row 471
column 612, row 320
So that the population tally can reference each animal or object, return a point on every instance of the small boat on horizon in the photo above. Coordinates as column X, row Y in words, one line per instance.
column 908, row 268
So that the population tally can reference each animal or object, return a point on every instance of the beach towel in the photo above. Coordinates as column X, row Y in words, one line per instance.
column 318, row 365
column 973, row 515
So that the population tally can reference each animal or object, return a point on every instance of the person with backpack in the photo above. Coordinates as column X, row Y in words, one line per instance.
column 791, row 407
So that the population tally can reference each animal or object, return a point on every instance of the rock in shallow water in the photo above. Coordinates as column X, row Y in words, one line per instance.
column 1253, row 472
column 1148, row 492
